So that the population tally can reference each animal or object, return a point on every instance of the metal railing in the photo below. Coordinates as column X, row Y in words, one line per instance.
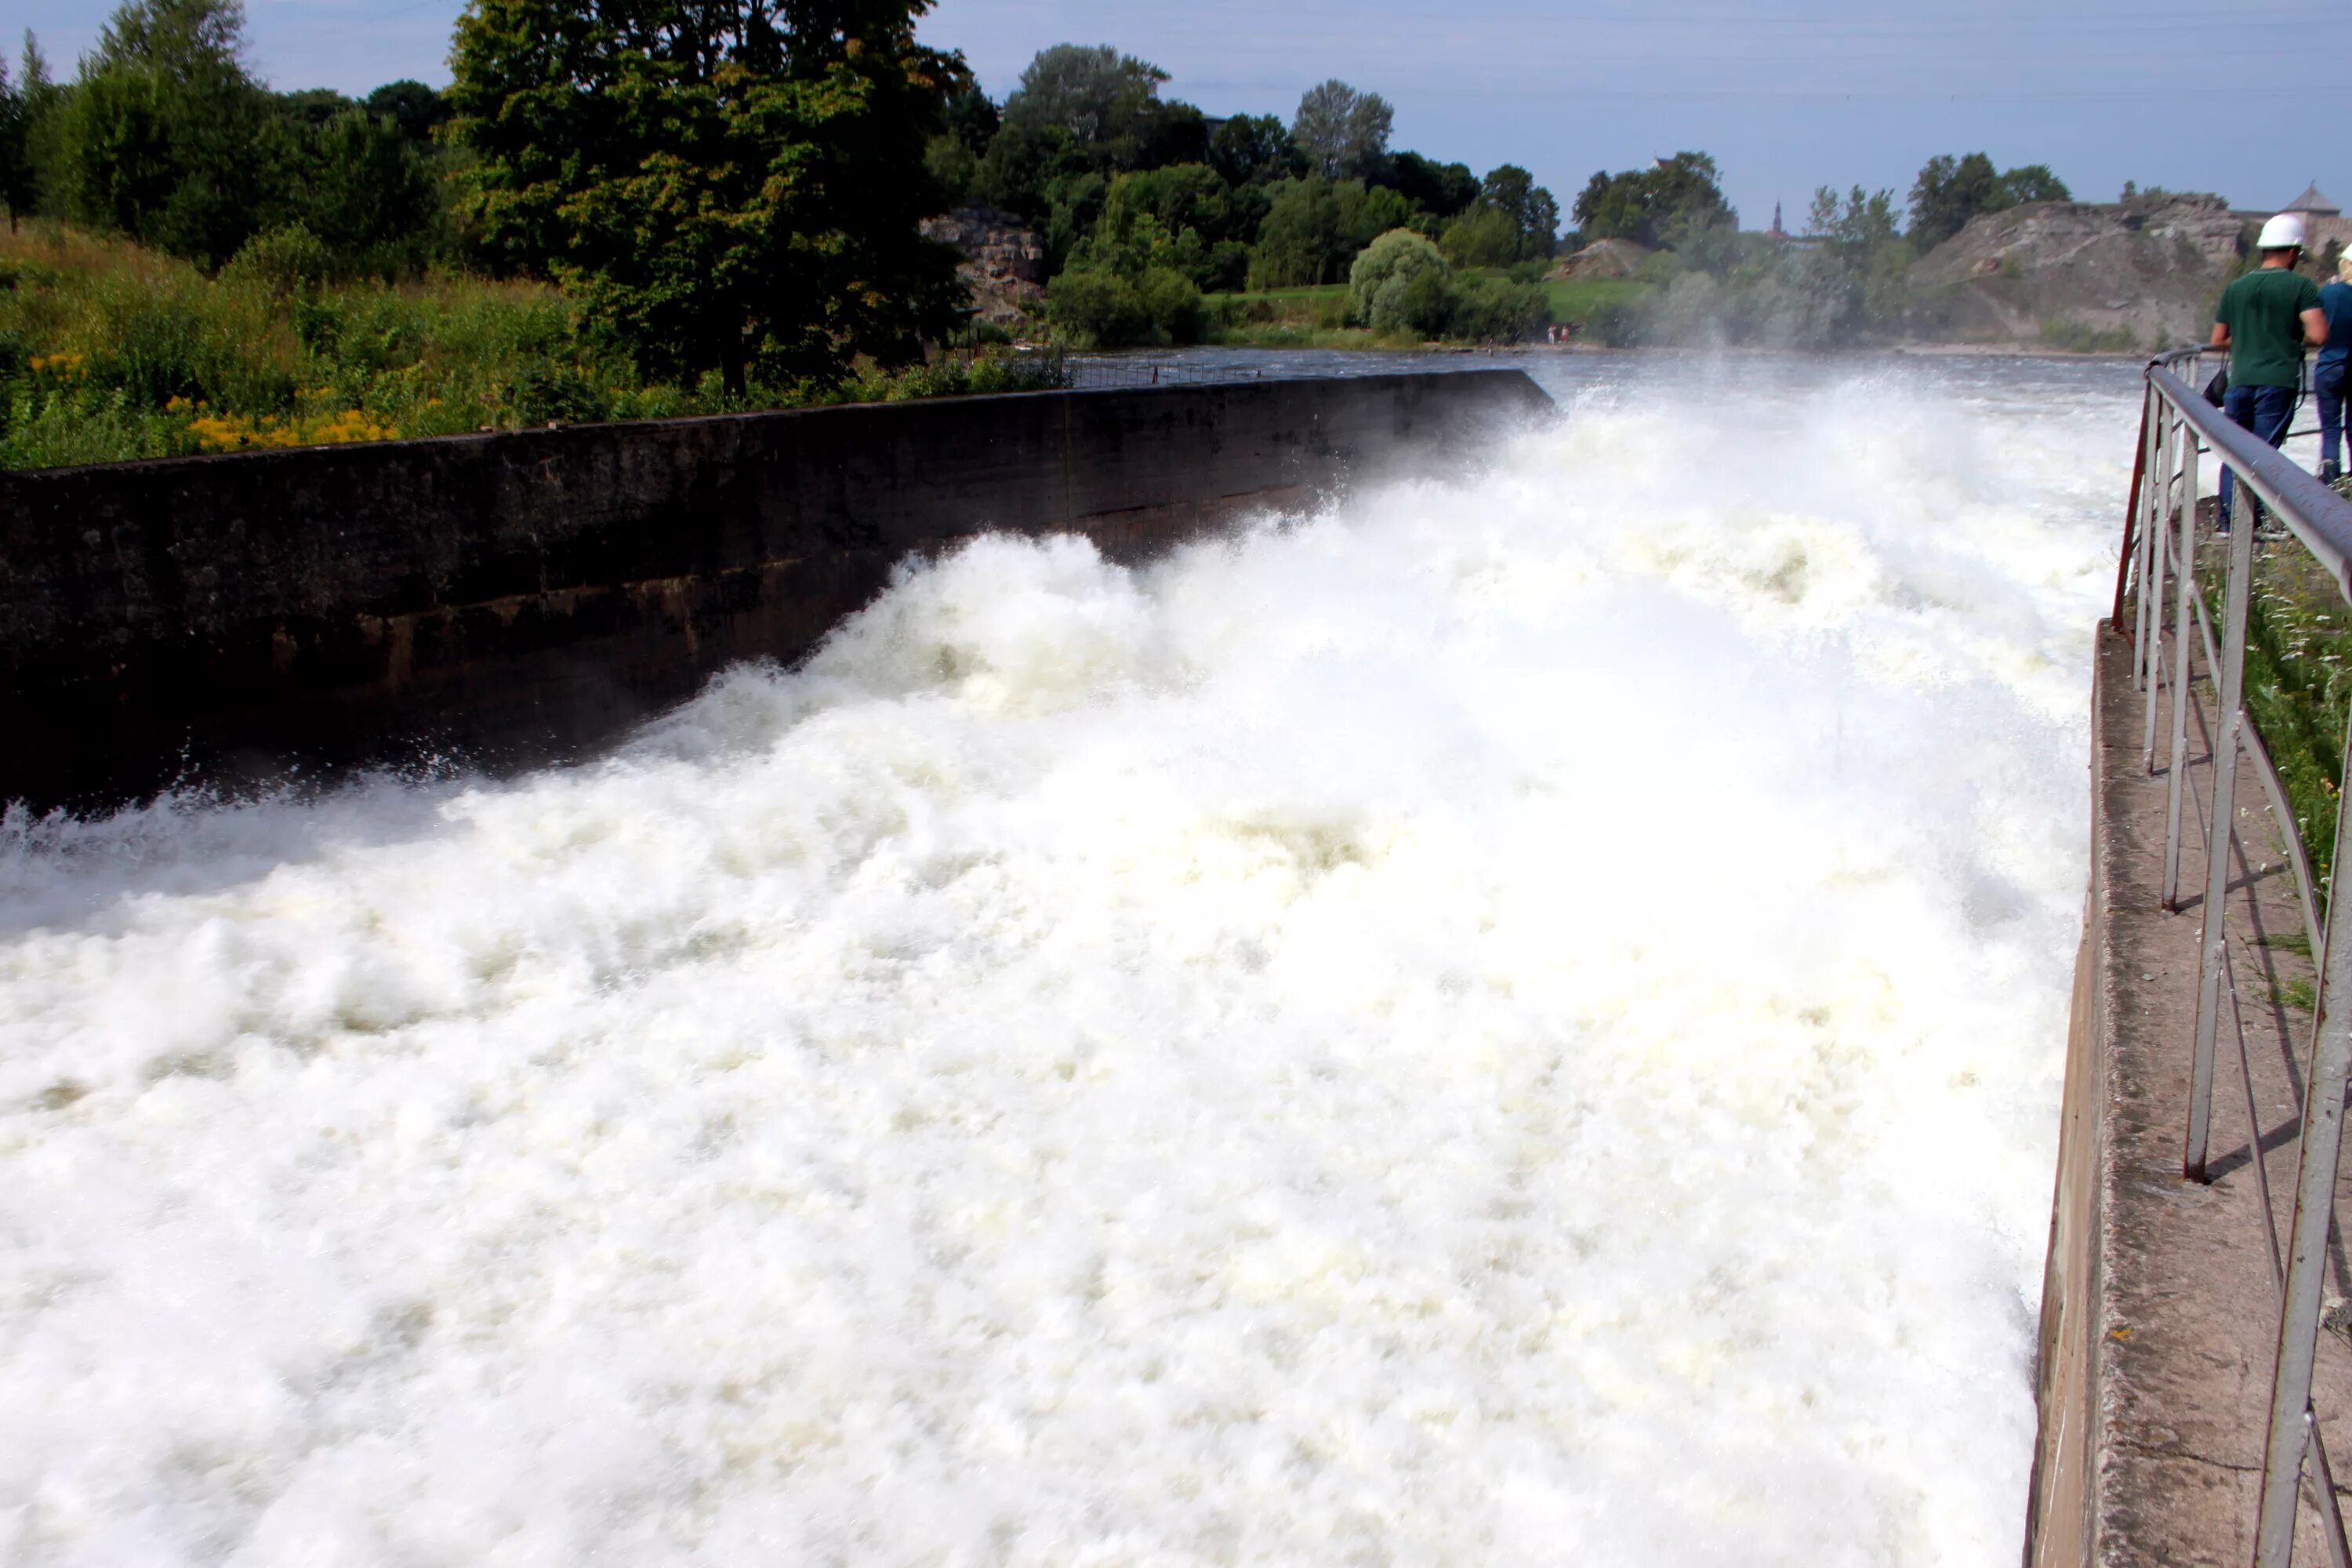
column 2178, row 425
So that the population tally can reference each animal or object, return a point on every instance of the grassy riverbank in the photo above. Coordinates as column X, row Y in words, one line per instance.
column 108, row 351
column 2298, row 680
column 1600, row 309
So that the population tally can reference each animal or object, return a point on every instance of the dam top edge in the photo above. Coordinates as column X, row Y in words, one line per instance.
column 911, row 408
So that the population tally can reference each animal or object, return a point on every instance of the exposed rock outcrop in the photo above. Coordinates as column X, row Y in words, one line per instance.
column 2150, row 269
column 1003, row 263
column 1604, row 259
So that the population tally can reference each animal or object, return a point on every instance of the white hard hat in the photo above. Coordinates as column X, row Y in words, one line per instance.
column 2284, row 230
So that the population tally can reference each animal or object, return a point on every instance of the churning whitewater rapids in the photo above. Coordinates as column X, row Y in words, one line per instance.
column 1513, row 1020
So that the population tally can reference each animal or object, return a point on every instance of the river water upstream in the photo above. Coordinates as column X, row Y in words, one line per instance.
column 1515, row 1020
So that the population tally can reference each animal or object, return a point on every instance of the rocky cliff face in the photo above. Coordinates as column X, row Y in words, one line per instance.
column 2150, row 269
column 1003, row 263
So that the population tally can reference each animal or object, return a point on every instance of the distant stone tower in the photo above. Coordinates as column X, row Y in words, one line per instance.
column 2322, row 220
column 1776, row 231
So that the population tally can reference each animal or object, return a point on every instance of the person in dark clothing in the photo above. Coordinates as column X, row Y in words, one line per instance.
column 2327, row 370
column 2264, row 319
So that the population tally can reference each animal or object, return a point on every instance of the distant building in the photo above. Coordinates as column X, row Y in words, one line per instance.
column 2322, row 220
column 1776, row 231
column 2311, row 203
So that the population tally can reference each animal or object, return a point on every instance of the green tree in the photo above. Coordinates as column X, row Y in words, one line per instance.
column 1533, row 214
column 1483, row 237
column 313, row 106
column 1313, row 228
column 1371, row 211
column 973, row 118
column 2033, row 183
column 16, row 148
column 1187, row 196
column 1340, row 132
column 1382, row 285
column 1950, row 191
column 953, row 156
column 1855, row 282
column 1107, row 105
column 36, row 104
column 1649, row 205
column 1442, row 190
column 1133, row 281
column 165, row 135
column 359, row 182
column 1024, row 159
column 1251, row 150
column 415, row 108
column 724, row 184
column 1858, row 226
column 1210, row 224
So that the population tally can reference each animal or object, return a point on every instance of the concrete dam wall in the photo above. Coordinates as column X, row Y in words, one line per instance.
column 510, row 597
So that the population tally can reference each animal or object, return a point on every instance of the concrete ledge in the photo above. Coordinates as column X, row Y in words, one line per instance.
column 2159, row 1315
column 511, row 597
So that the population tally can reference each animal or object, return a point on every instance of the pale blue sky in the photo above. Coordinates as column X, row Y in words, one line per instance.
column 2245, row 97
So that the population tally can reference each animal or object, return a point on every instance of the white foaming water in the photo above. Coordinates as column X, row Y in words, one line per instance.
column 1514, row 1021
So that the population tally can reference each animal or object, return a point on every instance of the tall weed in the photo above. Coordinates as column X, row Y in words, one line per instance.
column 109, row 352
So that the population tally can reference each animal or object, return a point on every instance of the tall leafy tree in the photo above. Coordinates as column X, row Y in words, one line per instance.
column 1107, row 105
column 166, row 136
column 34, row 108
column 1650, row 206
column 1342, row 134
column 1252, row 148
column 1314, row 227
column 415, row 108
column 1442, row 190
column 2033, row 183
column 1533, row 213
column 1950, row 191
column 727, row 185
column 365, row 188
column 16, row 150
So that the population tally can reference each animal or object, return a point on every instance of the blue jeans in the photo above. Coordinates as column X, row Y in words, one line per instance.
column 2327, row 390
column 2265, row 411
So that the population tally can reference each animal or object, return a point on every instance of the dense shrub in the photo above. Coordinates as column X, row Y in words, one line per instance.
column 1378, row 282
column 1107, row 310
column 1494, row 310
column 1483, row 237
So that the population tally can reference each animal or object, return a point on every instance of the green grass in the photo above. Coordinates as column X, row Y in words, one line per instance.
column 2072, row 336
column 2298, row 681
column 1577, row 299
column 1283, row 335
column 1313, row 292
column 1311, row 317
column 109, row 352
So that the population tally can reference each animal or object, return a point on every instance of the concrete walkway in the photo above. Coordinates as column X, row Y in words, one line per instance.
column 2182, row 1288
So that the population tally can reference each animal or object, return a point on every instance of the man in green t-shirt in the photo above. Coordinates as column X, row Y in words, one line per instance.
column 2264, row 319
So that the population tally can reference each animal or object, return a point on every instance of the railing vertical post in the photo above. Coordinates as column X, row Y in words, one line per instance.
column 2289, row 1435
column 2217, row 849
column 2184, row 566
column 2131, row 509
column 2143, row 611
column 2160, row 474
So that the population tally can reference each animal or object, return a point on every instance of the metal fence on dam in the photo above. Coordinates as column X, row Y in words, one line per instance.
column 2190, row 1391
